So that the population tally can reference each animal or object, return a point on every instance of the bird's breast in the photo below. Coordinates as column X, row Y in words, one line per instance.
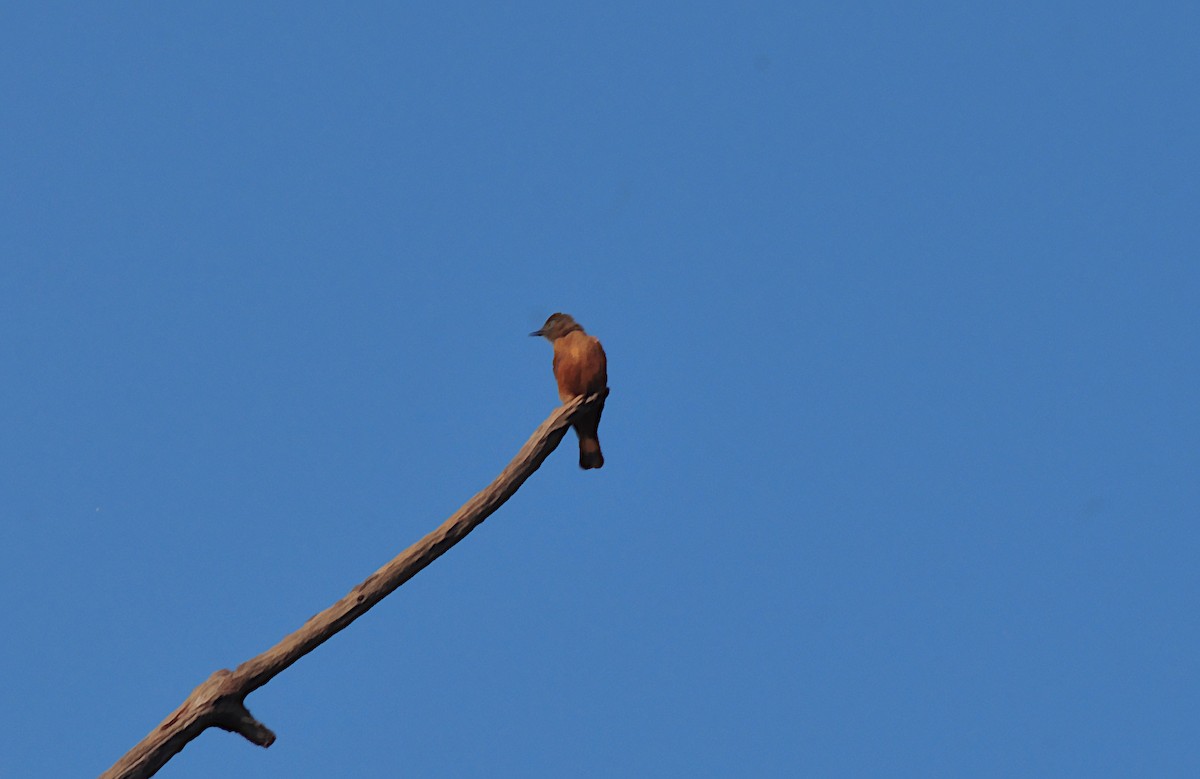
column 580, row 366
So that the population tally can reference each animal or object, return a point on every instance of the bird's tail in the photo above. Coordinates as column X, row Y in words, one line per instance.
column 587, row 426
column 589, row 453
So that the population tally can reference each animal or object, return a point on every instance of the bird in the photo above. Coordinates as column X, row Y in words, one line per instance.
column 580, row 368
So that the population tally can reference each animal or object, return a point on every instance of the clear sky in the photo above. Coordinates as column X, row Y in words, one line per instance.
column 901, row 309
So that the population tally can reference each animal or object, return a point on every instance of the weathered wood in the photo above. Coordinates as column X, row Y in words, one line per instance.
column 220, row 701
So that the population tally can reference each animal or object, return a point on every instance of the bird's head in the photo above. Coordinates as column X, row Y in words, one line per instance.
column 557, row 326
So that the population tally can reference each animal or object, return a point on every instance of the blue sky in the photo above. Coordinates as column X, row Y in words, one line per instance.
column 900, row 304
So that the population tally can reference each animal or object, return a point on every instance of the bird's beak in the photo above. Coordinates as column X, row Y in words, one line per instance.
column 538, row 332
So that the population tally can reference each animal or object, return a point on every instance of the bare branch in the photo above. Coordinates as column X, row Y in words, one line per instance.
column 220, row 701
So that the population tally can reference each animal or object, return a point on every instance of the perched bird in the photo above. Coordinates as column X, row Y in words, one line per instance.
column 580, row 368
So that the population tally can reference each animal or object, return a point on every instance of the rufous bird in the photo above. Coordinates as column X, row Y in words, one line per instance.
column 580, row 368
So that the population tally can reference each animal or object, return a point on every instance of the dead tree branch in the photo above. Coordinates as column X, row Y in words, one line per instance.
column 220, row 701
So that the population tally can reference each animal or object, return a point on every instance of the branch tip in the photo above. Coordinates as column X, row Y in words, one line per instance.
column 236, row 718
